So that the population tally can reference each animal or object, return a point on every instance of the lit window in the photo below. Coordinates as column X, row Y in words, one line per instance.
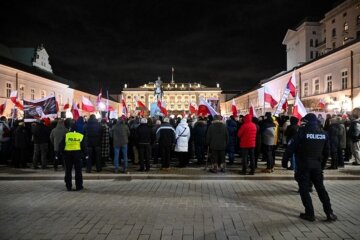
column 8, row 89
column 344, row 79
column 32, row 94
column 346, row 26
column 43, row 93
column 306, row 89
column 329, row 83
column 22, row 91
column 316, row 86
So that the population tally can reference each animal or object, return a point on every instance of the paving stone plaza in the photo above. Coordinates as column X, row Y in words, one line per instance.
column 173, row 209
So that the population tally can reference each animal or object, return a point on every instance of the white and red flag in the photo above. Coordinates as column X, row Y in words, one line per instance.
column 193, row 108
column 75, row 111
column 299, row 110
column 292, row 84
column 86, row 105
column 206, row 109
column 13, row 97
column 66, row 106
column 233, row 108
column 98, row 98
column 321, row 103
column 252, row 111
column 269, row 97
column 2, row 108
column 162, row 107
column 140, row 104
column 124, row 108
column 285, row 105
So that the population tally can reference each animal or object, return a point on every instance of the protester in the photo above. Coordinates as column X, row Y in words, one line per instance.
column 133, row 140
column 120, row 133
column 355, row 135
column 144, row 140
column 41, row 137
column 56, row 136
column 268, row 140
column 200, row 128
column 217, row 138
column 22, row 145
column 5, row 143
column 290, row 133
column 155, row 145
column 165, row 136
column 93, row 136
column 182, row 142
column 247, row 137
column 105, row 142
column 257, row 149
column 231, row 126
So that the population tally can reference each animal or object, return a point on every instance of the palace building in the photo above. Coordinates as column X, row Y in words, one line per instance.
column 176, row 96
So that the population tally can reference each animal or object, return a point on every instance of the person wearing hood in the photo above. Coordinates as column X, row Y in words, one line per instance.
column 182, row 132
column 247, row 137
column 290, row 133
column 231, row 126
column 93, row 136
column 309, row 145
column 56, row 136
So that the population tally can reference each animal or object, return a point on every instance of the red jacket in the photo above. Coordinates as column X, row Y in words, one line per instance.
column 247, row 133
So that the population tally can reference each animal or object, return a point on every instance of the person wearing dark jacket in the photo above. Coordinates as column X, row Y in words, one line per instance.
column 165, row 136
column 247, row 137
column 93, row 136
column 290, row 133
column 155, row 145
column 334, row 136
column 309, row 146
column 200, row 128
column 231, row 126
column 41, row 135
column 144, row 140
column 354, row 131
column 22, row 143
column 217, row 138
column 56, row 136
column 120, row 134
column 73, row 146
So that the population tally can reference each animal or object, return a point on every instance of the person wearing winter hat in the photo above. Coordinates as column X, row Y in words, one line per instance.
column 308, row 145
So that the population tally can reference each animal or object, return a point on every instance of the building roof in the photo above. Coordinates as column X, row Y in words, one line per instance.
column 178, row 86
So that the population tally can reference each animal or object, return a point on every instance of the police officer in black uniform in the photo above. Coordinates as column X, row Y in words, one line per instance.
column 310, row 145
column 73, row 147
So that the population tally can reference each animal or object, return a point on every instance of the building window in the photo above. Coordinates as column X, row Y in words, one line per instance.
column 346, row 26
column 22, row 91
column 8, row 89
column 316, row 86
column 344, row 14
column 316, row 54
column 316, row 42
column 311, row 54
column 328, row 83
column 43, row 94
column 60, row 99
column 344, row 79
column 306, row 89
column 311, row 43
column 334, row 45
column 314, row 32
column 333, row 32
column 333, row 21
column 32, row 94
column 358, row 20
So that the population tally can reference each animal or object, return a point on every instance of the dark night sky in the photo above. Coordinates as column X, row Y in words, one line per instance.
column 236, row 43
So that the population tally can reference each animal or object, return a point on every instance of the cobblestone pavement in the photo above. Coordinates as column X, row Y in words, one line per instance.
column 173, row 209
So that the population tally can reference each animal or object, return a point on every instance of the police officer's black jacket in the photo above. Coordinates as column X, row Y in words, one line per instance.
column 310, row 145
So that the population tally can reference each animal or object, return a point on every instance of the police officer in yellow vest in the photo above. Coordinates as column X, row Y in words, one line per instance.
column 73, row 147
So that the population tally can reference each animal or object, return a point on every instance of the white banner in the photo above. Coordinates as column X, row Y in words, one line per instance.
column 281, row 102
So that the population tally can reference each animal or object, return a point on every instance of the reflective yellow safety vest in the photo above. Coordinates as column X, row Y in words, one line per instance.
column 73, row 141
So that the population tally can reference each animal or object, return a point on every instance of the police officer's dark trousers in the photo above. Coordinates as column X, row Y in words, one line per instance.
column 305, row 177
column 73, row 158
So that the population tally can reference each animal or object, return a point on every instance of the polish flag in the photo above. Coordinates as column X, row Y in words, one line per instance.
column 87, row 105
column 285, row 106
column 124, row 108
column 299, row 110
column 162, row 107
column 75, row 111
column 269, row 97
column 252, row 111
column 13, row 97
column 233, row 108
column 206, row 109
column 140, row 104
column 193, row 108
column 292, row 84
column 66, row 106
column 321, row 103
column 2, row 108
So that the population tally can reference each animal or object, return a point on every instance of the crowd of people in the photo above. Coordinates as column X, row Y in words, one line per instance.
column 148, row 141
